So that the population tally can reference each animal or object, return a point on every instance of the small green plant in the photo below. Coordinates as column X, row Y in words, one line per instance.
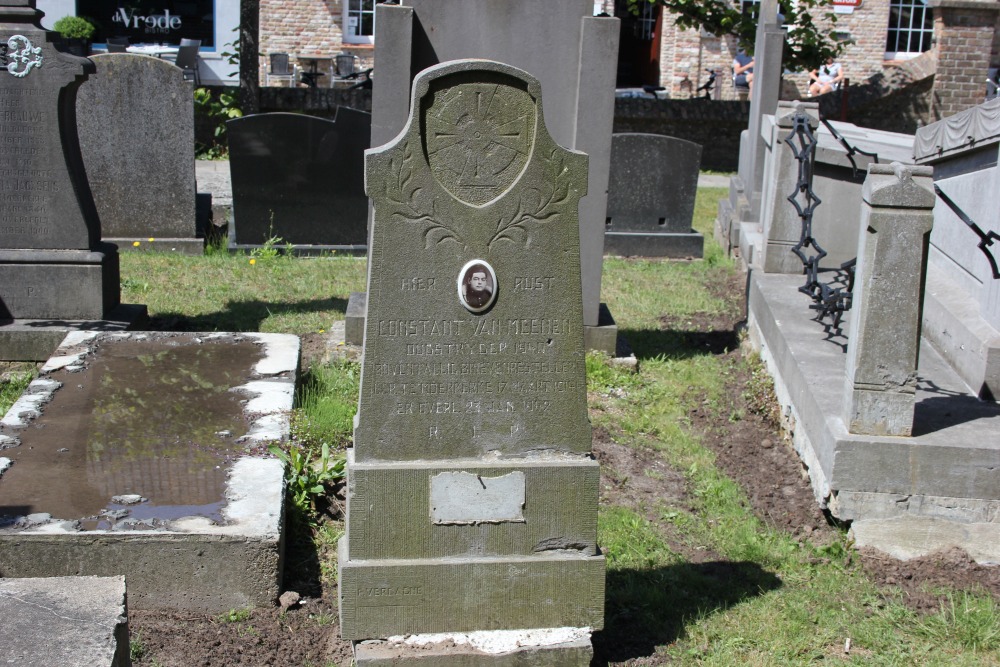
column 218, row 109
column 273, row 247
column 235, row 616
column 75, row 27
column 308, row 475
column 971, row 621
column 136, row 649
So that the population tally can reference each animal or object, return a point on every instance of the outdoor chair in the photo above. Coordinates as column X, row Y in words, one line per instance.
column 190, row 42
column 187, row 60
column 117, row 44
column 344, row 66
column 280, row 70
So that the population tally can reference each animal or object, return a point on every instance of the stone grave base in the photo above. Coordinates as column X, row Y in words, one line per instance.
column 183, row 246
column 642, row 244
column 68, row 284
column 37, row 339
column 944, row 477
column 383, row 598
column 603, row 337
column 65, row 621
column 173, row 554
column 445, row 651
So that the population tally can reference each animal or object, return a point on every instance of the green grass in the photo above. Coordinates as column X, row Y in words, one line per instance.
column 698, row 582
column 222, row 292
column 12, row 386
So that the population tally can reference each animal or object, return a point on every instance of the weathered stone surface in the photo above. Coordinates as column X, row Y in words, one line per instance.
column 136, row 128
column 65, row 621
column 52, row 264
column 888, row 292
column 300, row 179
column 489, row 185
column 400, row 597
column 471, row 494
column 447, row 653
column 571, row 52
column 651, row 193
column 389, row 505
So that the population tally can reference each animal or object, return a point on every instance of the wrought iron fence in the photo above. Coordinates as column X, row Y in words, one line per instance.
column 831, row 299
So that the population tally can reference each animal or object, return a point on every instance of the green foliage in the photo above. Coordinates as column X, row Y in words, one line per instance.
column 805, row 48
column 759, row 392
column 218, row 109
column 307, row 474
column 235, row 616
column 327, row 399
column 74, row 27
column 232, row 53
column 972, row 621
column 12, row 385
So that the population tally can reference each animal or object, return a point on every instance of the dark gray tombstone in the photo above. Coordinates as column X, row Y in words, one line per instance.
column 54, row 270
column 651, row 191
column 136, row 127
column 301, row 179
column 472, row 492
column 573, row 53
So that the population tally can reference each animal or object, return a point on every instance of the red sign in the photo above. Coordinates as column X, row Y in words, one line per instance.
column 846, row 3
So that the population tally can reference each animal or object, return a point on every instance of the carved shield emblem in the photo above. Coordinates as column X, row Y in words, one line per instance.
column 478, row 138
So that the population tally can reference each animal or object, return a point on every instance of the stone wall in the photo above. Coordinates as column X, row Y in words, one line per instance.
column 306, row 27
column 964, row 35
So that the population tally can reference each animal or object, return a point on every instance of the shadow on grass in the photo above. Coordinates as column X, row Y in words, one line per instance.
column 677, row 344
column 243, row 315
column 646, row 609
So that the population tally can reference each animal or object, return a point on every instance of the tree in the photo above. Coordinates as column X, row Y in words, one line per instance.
column 807, row 47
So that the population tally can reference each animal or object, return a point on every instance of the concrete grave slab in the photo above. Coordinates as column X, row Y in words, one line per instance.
column 178, row 422
column 64, row 621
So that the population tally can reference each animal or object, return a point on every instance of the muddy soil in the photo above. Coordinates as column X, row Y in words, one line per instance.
column 750, row 450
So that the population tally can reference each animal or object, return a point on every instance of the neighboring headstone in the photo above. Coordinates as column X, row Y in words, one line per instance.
column 136, row 127
column 884, row 337
column 472, row 495
column 651, row 191
column 300, row 179
column 962, row 310
column 573, row 53
column 53, row 266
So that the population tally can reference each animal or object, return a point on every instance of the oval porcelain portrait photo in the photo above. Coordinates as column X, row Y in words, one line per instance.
column 477, row 285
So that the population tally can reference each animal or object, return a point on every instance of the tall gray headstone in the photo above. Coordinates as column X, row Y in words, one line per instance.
column 651, row 191
column 471, row 467
column 573, row 53
column 53, row 266
column 136, row 128
column 896, row 220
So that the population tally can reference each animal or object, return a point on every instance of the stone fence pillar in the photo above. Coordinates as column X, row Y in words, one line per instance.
column 963, row 32
column 780, row 221
column 884, row 339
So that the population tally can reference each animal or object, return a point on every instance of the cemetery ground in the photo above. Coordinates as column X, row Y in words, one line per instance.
column 717, row 552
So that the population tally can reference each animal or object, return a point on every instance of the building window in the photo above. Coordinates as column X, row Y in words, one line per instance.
column 911, row 27
column 359, row 21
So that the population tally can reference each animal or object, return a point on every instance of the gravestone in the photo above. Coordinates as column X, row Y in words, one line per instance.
column 651, row 191
column 136, row 128
column 573, row 53
column 301, row 179
column 55, row 274
column 472, row 499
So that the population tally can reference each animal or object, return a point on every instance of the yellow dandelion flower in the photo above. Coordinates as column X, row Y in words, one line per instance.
column 136, row 244
column 151, row 239
column 252, row 262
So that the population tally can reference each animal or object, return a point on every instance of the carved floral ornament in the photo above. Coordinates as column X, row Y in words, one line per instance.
column 18, row 56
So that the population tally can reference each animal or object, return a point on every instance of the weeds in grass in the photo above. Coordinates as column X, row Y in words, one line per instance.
column 235, row 616
column 308, row 473
column 970, row 620
column 11, row 388
column 327, row 399
column 759, row 392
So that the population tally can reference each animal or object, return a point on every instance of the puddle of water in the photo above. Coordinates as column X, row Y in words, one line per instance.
column 153, row 417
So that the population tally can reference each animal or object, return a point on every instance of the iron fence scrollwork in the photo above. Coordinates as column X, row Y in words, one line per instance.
column 986, row 239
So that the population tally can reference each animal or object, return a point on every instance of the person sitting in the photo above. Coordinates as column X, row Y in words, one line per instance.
column 743, row 70
column 824, row 79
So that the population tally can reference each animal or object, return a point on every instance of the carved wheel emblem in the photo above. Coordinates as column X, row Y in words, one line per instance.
column 479, row 139
column 20, row 56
